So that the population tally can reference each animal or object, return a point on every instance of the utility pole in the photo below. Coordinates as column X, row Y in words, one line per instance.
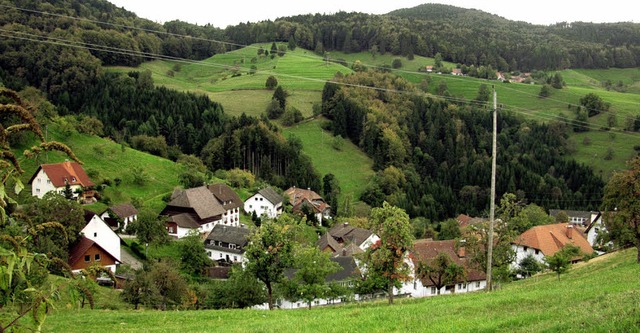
column 492, row 209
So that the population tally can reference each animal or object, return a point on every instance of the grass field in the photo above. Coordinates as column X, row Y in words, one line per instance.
column 599, row 296
column 226, row 79
column 108, row 159
column 351, row 166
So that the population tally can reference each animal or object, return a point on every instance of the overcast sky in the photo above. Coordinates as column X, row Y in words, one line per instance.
column 224, row 13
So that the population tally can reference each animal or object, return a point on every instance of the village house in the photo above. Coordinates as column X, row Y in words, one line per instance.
column 99, row 232
column 192, row 209
column 346, row 240
column 87, row 253
column 230, row 201
column 119, row 216
column 546, row 240
column 576, row 217
column 465, row 221
column 265, row 202
column 456, row 72
column 426, row 250
column 55, row 178
column 302, row 200
column 226, row 244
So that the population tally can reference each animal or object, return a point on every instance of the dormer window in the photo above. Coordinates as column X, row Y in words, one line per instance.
column 73, row 179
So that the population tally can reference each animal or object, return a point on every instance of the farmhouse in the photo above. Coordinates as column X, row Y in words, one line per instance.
column 87, row 252
column 119, row 216
column 302, row 200
column 226, row 243
column 55, row 178
column 230, row 201
column 192, row 209
column 99, row 232
column 425, row 250
column 266, row 202
column 346, row 240
column 546, row 240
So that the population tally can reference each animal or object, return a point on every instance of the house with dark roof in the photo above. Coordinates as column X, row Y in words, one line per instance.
column 425, row 250
column 546, row 240
column 230, row 201
column 302, row 200
column 346, row 240
column 265, row 202
column 348, row 272
column 192, row 209
column 87, row 252
column 576, row 217
column 99, row 232
column 55, row 177
column 226, row 243
column 119, row 216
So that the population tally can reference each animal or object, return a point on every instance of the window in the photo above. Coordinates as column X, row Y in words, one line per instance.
column 95, row 234
column 97, row 257
column 48, row 181
column 73, row 179
column 209, row 253
column 171, row 230
column 525, row 249
column 250, row 206
column 434, row 290
column 537, row 252
column 256, row 198
column 37, row 190
column 235, row 258
column 39, row 180
column 232, row 246
column 477, row 284
column 220, row 254
column 87, row 258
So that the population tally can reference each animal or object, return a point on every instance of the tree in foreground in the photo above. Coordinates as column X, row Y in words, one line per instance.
column 193, row 256
column 622, row 206
column 560, row 262
column 387, row 257
column 441, row 271
column 269, row 253
column 309, row 281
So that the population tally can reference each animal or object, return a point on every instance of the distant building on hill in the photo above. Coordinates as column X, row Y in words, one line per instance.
column 55, row 178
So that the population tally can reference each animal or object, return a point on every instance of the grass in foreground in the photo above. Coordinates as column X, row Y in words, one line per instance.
column 599, row 296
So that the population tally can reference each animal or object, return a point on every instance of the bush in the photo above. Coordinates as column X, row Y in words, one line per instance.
column 292, row 116
column 271, row 83
column 397, row 63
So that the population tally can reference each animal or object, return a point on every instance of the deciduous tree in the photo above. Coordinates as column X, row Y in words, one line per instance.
column 387, row 257
column 441, row 271
column 311, row 270
column 269, row 253
column 622, row 206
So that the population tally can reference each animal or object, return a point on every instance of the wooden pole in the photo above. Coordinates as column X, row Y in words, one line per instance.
column 492, row 209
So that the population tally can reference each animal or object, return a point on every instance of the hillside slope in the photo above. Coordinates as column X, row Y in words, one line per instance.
column 601, row 295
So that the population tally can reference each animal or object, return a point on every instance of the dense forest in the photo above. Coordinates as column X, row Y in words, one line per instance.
column 433, row 156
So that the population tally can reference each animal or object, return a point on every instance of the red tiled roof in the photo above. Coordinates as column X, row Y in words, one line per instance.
column 61, row 173
column 427, row 250
column 551, row 238
column 298, row 197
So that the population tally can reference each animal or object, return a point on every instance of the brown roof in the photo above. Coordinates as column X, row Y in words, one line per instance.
column 184, row 220
column 200, row 199
column 427, row 250
column 551, row 238
column 298, row 196
column 66, row 172
column 466, row 220
column 327, row 241
column 345, row 233
column 228, row 198
column 124, row 210
column 81, row 248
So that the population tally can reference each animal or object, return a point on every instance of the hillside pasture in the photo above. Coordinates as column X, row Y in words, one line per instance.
column 598, row 296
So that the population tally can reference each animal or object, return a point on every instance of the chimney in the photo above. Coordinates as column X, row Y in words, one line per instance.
column 461, row 248
column 346, row 224
column 344, row 252
column 569, row 231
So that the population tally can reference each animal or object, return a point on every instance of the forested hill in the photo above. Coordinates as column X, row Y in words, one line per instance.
column 433, row 156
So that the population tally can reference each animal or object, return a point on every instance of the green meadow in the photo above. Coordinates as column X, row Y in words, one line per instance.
column 227, row 79
column 106, row 159
column 598, row 296
column 350, row 165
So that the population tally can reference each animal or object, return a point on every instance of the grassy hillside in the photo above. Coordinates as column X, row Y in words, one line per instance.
column 599, row 296
column 105, row 159
column 350, row 165
column 226, row 79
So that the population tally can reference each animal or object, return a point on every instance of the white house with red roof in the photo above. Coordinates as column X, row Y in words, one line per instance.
column 546, row 240
column 301, row 198
column 55, row 177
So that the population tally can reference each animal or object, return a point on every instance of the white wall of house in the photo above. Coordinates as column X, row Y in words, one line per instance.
column 98, row 231
column 416, row 289
column 231, row 217
column 369, row 241
column 261, row 206
column 524, row 251
column 218, row 254
column 42, row 185
column 125, row 221
column 594, row 231
column 180, row 232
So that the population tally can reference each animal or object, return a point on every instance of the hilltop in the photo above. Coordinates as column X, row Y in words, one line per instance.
column 593, row 296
